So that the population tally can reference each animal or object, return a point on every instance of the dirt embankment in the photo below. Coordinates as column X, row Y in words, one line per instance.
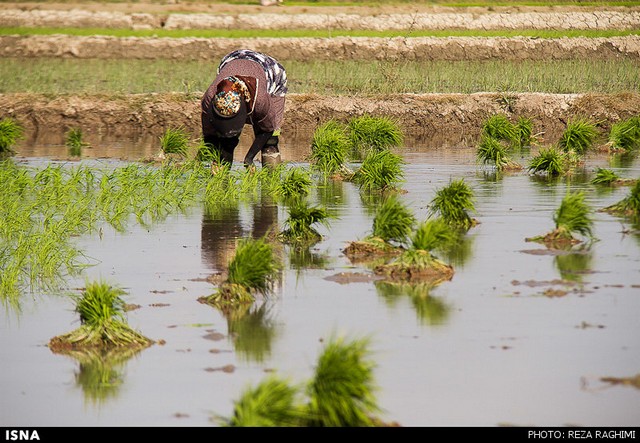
column 447, row 120
column 427, row 120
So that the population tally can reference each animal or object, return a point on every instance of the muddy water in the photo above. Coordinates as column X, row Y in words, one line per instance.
column 519, row 336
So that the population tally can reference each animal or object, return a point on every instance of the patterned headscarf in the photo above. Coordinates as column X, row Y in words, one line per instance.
column 226, row 102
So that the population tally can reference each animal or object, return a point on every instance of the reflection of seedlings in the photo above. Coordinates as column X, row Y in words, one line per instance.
column 302, row 257
column 340, row 394
column 625, row 135
column 104, row 326
column 572, row 266
column 431, row 310
column 101, row 373
column 458, row 252
column 392, row 225
column 74, row 142
column 628, row 206
column 417, row 263
column 329, row 150
column 331, row 194
column 252, row 332
column 298, row 227
column 453, row 203
column 571, row 217
column 378, row 133
column 253, row 269
column 10, row 132
column 381, row 170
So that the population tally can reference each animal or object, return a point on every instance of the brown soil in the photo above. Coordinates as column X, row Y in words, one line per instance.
column 442, row 120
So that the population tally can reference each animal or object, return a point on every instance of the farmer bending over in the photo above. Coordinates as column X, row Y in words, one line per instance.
column 249, row 88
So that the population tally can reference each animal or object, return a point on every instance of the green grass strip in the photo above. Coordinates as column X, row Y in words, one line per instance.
column 93, row 76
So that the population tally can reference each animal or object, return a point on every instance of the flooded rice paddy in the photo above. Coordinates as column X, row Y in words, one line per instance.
column 520, row 335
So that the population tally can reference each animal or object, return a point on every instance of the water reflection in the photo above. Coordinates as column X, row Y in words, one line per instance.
column 460, row 251
column 623, row 160
column 100, row 374
column 575, row 264
column 302, row 257
column 431, row 311
column 252, row 329
column 223, row 225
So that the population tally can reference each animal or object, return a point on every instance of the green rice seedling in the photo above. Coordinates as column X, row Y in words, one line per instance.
column 205, row 154
column 74, row 142
column 342, row 391
column 254, row 266
column 253, row 269
column 102, row 315
column 174, row 141
column 10, row 132
column 551, row 161
column 299, row 226
column 628, row 206
column 578, row 137
column 524, row 130
column 605, row 177
column 625, row 135
column 220, row 188
column 295, row 182
column 273, row 403
column 330, row 150
column 393, row 221
column 380, row 171
column 500, row 128
column 392, row 225
column 418, row 263
column 492, row 151
column 369, row 132
column 571, row 217
column 454, row 203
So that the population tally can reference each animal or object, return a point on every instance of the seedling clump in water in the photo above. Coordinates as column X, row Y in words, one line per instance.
column 102, row 315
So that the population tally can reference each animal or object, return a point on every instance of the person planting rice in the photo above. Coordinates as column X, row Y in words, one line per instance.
column 249, row 88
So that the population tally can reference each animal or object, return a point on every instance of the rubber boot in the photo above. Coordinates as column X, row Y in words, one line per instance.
column 271, row 154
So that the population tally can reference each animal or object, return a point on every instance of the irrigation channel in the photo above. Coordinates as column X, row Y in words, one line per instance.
column 521, row 335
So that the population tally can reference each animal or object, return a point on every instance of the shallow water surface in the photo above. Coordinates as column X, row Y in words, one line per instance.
column 519, row 336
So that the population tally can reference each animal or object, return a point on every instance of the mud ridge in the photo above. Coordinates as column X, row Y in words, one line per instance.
column 427, row 120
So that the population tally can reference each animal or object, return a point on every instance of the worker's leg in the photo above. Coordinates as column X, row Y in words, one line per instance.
column 270, row 153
